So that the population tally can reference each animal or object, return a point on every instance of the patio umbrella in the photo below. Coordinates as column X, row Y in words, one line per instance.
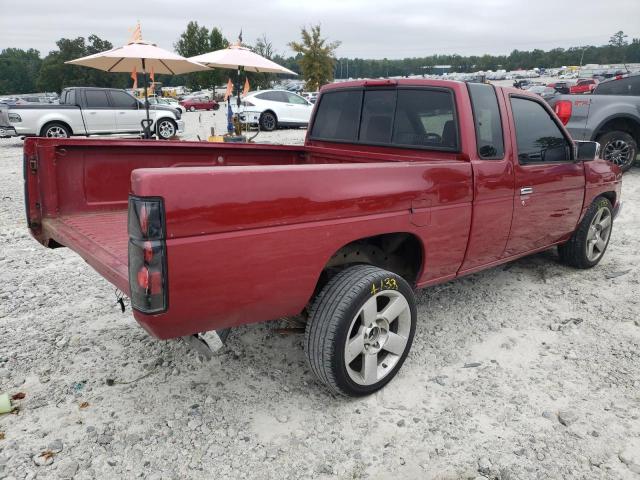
column 237, row 57
column 141, row 56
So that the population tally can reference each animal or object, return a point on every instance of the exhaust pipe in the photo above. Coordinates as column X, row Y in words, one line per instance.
column 207, row 343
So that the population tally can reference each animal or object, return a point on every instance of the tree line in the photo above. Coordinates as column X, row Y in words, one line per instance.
column 24, row 71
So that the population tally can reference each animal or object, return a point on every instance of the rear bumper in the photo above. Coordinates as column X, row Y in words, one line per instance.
column 6, row 132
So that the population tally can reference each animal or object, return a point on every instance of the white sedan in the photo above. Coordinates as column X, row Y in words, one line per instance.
column 273, row 108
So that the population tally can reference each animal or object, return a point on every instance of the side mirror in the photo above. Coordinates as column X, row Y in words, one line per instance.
column 586, row 151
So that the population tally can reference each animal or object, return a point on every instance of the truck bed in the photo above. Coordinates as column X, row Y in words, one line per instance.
column 99, row 238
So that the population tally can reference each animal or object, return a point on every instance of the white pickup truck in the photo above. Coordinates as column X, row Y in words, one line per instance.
column 93, row 111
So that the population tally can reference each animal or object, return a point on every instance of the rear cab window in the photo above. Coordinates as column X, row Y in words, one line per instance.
column 409, row 117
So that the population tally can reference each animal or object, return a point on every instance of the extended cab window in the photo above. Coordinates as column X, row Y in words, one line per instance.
column 123, row 100
column 338, row 116
column 486, row 117
column 623, row 86
column 96, row 99
column 538, row 136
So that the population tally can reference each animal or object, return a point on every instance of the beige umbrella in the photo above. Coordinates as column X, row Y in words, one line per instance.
column 238, row 57
column 140, row 56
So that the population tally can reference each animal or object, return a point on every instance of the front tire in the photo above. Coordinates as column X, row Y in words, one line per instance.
column 360, row 330
column 166, row 128
column 588, row 243
column 620, row 148
column 268, row 122
column 55, row 130
column 192, row 108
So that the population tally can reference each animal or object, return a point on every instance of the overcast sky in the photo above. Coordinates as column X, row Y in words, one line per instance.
column 366, row 28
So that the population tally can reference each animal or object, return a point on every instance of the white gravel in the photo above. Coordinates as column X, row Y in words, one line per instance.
column 556, row 393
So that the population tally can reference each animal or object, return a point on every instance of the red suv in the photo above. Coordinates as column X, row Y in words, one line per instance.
column 199, row 103
column 583, row 85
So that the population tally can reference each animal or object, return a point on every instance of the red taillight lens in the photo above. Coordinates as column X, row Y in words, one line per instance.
column 563, row 110
column 147, row 255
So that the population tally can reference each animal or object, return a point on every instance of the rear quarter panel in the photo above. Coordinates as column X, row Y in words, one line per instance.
column 248, row 244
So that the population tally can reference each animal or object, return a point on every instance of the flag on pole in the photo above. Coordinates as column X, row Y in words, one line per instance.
column 134, row 77
column 229, row 91
column 136, row 34
column 246, row 88
column 152, row 76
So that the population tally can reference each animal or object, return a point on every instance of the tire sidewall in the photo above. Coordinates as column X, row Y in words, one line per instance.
column 339, row 368
column 597, row 204
column 275, row 121
column 609, row 137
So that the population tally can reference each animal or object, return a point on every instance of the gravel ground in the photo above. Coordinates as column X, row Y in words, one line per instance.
column 528, row 370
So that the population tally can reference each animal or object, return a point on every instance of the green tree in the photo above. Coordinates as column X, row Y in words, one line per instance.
column 19, row 70
column 317, row 61
column 618, row 39
column 195, row 40
column 264, row 48
column 55, row 75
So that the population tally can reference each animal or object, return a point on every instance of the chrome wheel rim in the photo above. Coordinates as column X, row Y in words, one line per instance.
column 598, row 235
column 269, row 122
column 56, row 132
column 378, row 337
column 166, row 129
column 617, row 151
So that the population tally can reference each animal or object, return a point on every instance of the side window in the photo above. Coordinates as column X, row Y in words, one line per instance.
column 338, row 116
column 486, row 116
column 623, row 86
column 538, row 137
column 425, row 118
column 378, row 111
column 281, row 96
column 124, row 100
column 97, row 99
column 296, row 100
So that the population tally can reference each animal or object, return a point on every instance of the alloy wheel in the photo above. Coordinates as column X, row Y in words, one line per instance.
column 617, row 151
column 378, row 337
column 598, row 235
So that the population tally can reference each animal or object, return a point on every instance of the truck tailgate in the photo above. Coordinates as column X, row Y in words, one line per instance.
column 100, row 238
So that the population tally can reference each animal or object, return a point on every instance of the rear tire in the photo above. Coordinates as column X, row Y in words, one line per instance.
column 268, row 121
column 55, row 130
column 360, row 330
column 620, row 148
column 588, row 243
column 192, row 108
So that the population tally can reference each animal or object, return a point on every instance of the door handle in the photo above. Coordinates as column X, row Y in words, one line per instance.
column 526, row 190
column 92, row 113
column 122, row 113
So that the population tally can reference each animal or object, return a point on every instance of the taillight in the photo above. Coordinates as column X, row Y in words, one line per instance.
column 563, row 110
column 147, row 255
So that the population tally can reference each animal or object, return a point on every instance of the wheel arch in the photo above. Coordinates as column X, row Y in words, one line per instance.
column 622, row 122
column 399, row 252
column 61, row 122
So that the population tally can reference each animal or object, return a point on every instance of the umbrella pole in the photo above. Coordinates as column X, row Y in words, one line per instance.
column 147, row 125
column 240, row 69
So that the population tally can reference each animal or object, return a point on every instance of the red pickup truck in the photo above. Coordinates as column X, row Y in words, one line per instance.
column 399, row 185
